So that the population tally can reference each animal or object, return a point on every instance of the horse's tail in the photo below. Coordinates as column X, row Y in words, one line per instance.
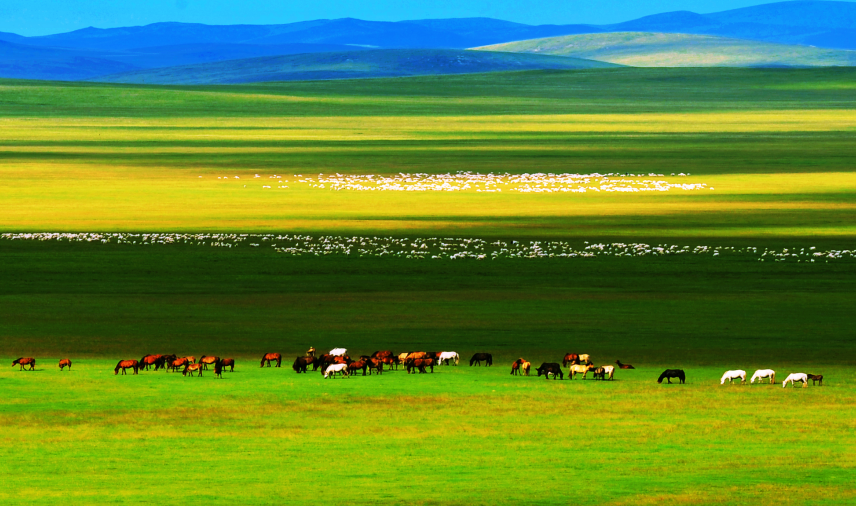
column 489, row 359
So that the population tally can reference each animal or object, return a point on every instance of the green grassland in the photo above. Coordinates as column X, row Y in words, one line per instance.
column 646, row 49
column 777, row 145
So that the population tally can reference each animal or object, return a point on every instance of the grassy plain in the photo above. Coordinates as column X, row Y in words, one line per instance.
column 776, row 145
column 647, row 49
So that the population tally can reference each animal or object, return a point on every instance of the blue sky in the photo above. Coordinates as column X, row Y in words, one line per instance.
column 40, row 17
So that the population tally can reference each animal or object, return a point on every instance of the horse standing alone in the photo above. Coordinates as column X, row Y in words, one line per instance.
column 672, row 373
column 30, row 361
column 64, row 362
column 487, row 358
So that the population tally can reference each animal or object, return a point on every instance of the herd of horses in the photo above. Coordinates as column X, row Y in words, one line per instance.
column 338, row 363
column 762, row 374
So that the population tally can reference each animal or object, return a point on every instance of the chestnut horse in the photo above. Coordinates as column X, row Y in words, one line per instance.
column 624, row 366
column 515, row 367
column 228, row 362
column 218, row 369
column 206, row 361
column 150, row 360
column 64, row 362
column 30, row 361
column 570, row 358
column 269, row 357
column 191, row 368
column 127, row 364
column 382, row 354
column 175, row 364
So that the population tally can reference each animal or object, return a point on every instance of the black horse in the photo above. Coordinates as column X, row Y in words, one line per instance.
column 299, row 365
column 672, row 373
column 479, row 357
column 552, row 367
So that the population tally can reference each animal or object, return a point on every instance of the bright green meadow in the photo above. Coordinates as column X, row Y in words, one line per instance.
column 775, row 149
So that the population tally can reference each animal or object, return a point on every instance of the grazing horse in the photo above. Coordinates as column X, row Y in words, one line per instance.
column 447, row 356
column 148, row 361
column 551, row 368
column 390, row 362
column 218, row 369
column 269, row 357
column 127, row 364
column 228, row 362
column 733, row 375
column 336, row 368
column 191, row 359
column 206, row 361
column 419, row 364
column 579, row 369
column 609, row 370
column 353, row 367
column 191, row 368
column 515, row 367
column 672, row 373
column 64, row 362
column 570, row 358
column 760, row 374
column 624, row 366
column 815, row 378
column 175, row 364
column 793, row 378
column 599, row 373
column 375, row 364
column 382, row 354
column 479, row 357
column 525, row 366
column 338, row 352
column 30, row 361
column 300, row 364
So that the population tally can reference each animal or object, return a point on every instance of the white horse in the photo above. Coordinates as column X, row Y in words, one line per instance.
column 609, row 371
column 448, row 355
column 585, row 359
column 797, row 376
column 338, row 352
column 760, row 374
column 336, row 368
column 733, row 375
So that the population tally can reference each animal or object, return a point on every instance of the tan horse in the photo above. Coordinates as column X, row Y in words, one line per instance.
column 525, row 366
column 581, row 369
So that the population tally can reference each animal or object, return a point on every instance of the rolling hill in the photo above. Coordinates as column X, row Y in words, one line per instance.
column 643, row 49
column 351, row 64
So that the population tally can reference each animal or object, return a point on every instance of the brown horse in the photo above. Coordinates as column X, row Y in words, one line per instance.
column 230, row 363
column 218, row 369
column 127, row 364
column 419, row 364
column 191, row 368
column 30, row 361
column 815, row 378
column 175, row 364
column 570, row 358
column 375, row 364
column 356, row 366
column 206, row 361
column 624, row 366
column 515, row 367
column 150, row 360
column 415, row 355
column 270, row 357
column 382, row 354
column 391, row 361
column 64, row 362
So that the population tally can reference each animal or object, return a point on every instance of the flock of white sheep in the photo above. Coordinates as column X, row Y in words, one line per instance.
column 448, row 248
column 474, row 181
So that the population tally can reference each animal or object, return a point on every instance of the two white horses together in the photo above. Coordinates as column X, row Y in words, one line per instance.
column 759, row 375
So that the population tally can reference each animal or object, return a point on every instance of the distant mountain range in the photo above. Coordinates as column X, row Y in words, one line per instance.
column 646, row 49
column 352, row 64
column 93, row 52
